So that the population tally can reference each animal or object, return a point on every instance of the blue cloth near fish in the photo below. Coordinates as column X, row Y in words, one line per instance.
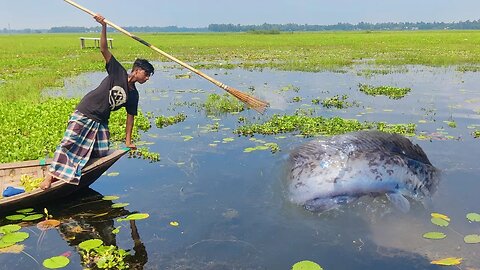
column 11, row 191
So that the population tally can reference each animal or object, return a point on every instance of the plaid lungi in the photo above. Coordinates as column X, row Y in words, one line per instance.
column 82, row 138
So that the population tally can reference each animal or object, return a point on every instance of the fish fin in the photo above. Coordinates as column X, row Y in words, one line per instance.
column 399, row 201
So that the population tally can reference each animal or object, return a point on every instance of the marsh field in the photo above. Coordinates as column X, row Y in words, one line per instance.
column 211, row 173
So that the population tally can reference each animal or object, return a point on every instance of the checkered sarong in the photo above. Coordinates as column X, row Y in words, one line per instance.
column 82, row 138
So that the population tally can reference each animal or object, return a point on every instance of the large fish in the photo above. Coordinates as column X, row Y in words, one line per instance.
column 324, row 174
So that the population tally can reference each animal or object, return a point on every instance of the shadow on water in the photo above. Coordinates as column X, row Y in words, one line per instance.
column 231, row 206
column 84, row 216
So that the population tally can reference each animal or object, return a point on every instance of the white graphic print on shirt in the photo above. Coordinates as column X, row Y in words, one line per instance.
column 118, row 97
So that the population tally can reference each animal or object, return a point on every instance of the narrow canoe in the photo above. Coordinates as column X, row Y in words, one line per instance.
column 10, row 174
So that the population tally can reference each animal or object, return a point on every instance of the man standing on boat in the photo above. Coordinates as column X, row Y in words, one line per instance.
column 87, row 133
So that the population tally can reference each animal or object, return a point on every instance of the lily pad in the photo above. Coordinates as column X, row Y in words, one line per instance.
column 25, row 211
column 15, row 237
column 5, row 244
column 119, row 205
column 306, row 265
column 440, row 222
column 90, row 244
column 472, row 239
column 441, row 216
column 448, row 261
column 110, row 198
column 434, row 235
column 473, row 217
column 9, row 228
column 137, row 216
column 56, row 262
column 32, row 217
column 15, row 217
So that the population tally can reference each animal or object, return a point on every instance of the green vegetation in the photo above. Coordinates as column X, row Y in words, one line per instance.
column 31, row 63
column 165, row 121
column 335, row 102
column 220, row 104
column 33, row 130
column 389, row 91
column 94, row 253
column 312, row 126
column 32, row 126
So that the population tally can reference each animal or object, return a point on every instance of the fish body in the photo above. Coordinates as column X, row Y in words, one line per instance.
column 324, row 174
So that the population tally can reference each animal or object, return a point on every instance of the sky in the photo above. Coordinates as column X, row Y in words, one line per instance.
column 44, row 14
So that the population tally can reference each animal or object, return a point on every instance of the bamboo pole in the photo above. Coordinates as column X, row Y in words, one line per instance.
column 256, row 104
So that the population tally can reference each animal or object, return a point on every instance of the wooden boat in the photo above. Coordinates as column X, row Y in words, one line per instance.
column 10, row 174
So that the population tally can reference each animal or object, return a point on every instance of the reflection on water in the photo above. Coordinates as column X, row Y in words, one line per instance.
column 231, row 206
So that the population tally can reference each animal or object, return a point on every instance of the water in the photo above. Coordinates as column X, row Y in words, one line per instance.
column 231, row 206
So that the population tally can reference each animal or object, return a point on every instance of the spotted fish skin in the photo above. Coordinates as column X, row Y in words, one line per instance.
column 324, row 174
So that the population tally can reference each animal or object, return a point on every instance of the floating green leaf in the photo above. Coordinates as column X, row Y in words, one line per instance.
column 25, row 211
column 15, row 237
column 9, row 228
column 119, row 205
column 187, row 138
column 5, row 244
column 306, row 265
column 90, row 244
column 15, row 217
column 472, row 239
column 56, row 262
column 442, row 216
column 440, row 222
column 434, row 235
column 110, row 198
column 32, row 217
column 116, row 230
column 134, row 217
column 448, row 261
column 473, row 217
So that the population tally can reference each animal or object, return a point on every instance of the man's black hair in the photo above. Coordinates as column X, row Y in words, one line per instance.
column 145, row 65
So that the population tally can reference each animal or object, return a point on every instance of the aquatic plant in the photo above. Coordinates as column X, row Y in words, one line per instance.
column 311, row 126
column 29, row 183
column 164, row 121
column 93, row 252
column 389, row 91
column 337, row 102
column 220, row 104
column 33, row 130
column 144, row 153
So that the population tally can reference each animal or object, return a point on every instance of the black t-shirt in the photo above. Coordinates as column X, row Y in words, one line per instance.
column 110, row 95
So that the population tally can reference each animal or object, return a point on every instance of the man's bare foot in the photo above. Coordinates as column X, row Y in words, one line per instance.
column 47, row 182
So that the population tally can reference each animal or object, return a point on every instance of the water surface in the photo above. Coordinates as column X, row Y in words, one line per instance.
column 231, row 206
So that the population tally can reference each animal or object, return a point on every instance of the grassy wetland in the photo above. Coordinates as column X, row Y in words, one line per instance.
column 211, row 192
column 32, row 63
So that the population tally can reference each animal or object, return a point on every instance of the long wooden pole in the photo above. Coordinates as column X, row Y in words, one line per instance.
column 256, row 104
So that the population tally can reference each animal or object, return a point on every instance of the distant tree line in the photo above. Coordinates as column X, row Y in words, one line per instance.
column 293, row 27
column 268, row 28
